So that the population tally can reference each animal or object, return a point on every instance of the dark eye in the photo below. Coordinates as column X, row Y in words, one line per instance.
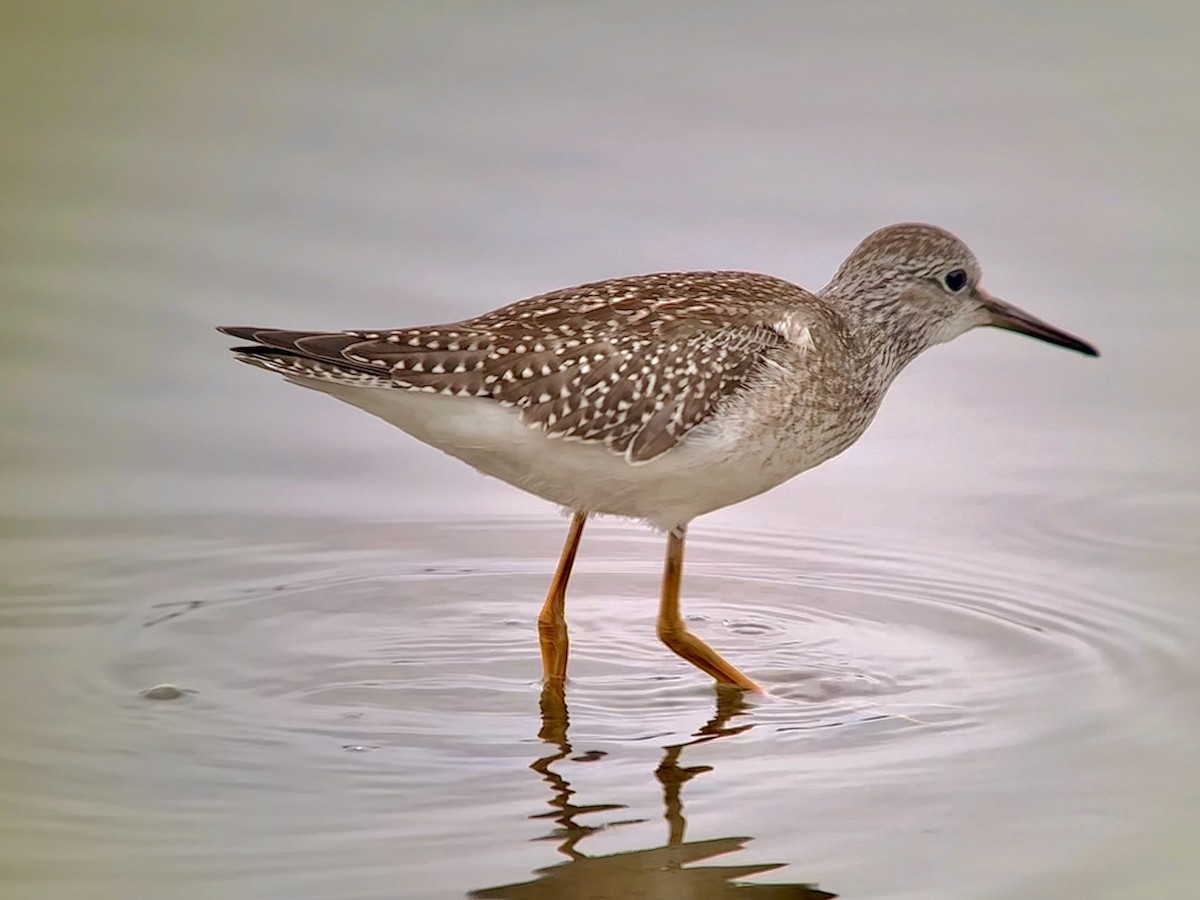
column 956, row 280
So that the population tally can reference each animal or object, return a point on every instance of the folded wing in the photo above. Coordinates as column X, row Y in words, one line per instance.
column 633, row 364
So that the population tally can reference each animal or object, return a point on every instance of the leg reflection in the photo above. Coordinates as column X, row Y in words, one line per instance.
column 569, row 831
column 731, row 702
column 667, row 870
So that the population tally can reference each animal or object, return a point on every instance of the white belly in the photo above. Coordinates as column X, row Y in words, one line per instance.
column 712, row 468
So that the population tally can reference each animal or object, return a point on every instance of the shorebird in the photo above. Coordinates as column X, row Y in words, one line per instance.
column 659, row 397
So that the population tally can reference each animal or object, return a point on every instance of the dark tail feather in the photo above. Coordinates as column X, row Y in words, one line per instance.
column 283, row 346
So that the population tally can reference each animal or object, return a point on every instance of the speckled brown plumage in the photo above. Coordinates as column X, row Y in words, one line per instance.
column 630, row 363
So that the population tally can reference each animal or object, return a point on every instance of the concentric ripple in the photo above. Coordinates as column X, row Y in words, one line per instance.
column 375, row 669
column 1144, row 516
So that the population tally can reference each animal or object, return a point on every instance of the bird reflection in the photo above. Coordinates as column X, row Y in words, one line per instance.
column 666, row 872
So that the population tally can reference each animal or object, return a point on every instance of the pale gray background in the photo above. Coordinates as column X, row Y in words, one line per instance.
column 1008, row 558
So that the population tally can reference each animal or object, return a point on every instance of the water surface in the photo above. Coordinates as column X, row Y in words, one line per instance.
column 978, row 626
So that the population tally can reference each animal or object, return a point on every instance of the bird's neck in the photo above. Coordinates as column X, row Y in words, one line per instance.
column 889, row 334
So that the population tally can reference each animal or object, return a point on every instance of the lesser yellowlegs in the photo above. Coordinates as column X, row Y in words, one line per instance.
column 659, row 397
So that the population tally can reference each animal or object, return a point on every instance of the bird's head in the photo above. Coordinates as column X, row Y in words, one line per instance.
column 925, row 282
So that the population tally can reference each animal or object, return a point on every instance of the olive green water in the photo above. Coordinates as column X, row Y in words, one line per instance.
column 979, row 627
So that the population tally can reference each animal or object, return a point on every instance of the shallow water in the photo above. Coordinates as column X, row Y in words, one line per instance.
column 978, row 627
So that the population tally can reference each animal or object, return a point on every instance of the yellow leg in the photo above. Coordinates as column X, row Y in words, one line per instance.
column 552, row 621
column 673, row 633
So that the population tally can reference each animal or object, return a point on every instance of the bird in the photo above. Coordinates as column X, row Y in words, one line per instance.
column 659, row 397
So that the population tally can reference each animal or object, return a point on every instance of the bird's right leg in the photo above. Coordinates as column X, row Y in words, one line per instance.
column 674, row 633
column 552, row 621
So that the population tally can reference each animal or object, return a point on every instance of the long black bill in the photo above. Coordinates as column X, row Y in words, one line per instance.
column 1005, row 315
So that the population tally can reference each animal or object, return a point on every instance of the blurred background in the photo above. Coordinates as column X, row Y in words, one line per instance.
column 978, row 625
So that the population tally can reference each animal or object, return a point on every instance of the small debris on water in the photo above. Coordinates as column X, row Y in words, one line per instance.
column 590, row 756
column 163, row 692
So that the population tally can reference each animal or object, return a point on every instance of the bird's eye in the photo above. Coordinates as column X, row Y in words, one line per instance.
column 956, row 280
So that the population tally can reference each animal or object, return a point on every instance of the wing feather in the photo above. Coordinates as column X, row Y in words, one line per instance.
column 634, row 364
